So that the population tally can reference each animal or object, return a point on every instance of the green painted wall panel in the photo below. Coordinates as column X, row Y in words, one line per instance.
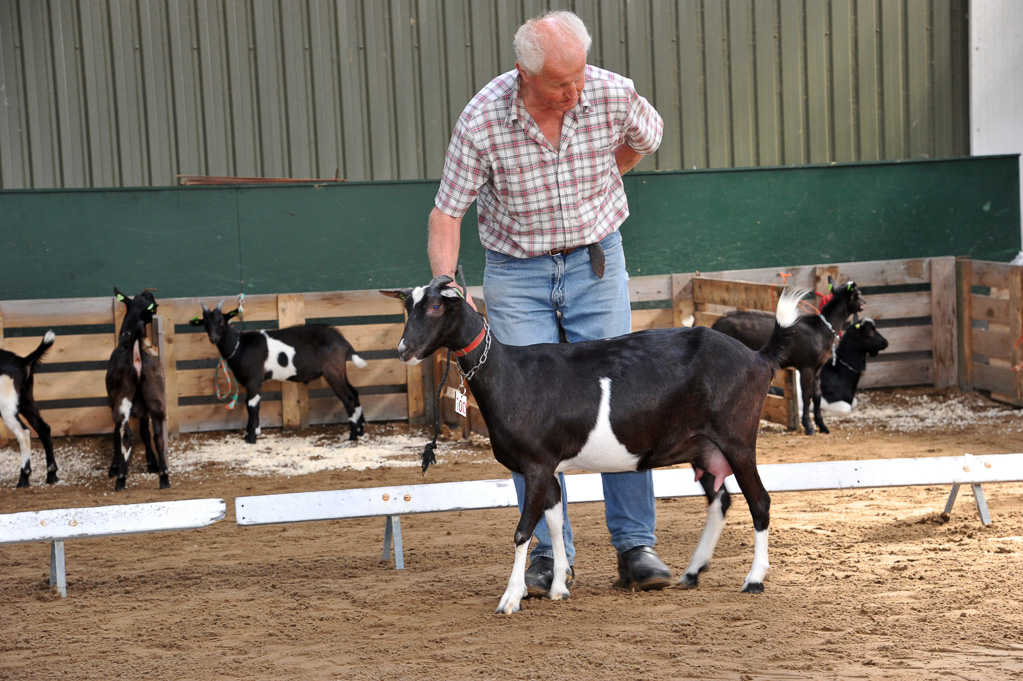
column 280, row 239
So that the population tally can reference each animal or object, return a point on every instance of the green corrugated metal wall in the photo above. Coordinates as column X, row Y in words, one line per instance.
column 111, row 93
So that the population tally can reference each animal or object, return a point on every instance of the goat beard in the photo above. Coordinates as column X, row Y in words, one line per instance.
column 428, row 455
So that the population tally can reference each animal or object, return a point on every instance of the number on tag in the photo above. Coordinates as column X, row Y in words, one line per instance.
column 461, row 403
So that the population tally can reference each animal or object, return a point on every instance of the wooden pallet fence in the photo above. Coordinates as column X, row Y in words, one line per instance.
column 991, row 329
column 71, row 386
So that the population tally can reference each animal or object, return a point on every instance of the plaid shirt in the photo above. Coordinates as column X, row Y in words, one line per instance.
column 533, row 197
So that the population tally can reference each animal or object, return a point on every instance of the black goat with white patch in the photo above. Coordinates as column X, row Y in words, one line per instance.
column 299, row 354
column 812, row 347
column 840, row 378
column 635, row 402
column 17, row 379
column 136, row 389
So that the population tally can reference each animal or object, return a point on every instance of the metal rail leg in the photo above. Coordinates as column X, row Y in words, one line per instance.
column 58, row 577
column 978, row 496
column 392, row 533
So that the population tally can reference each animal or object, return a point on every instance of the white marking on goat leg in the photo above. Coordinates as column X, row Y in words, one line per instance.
column 760, row 563
column 125, row 411
column 516, row 590
column 254, row 401
column 280, row 359
column 708, row 542
column 356, row 415
column 555, row 521
column 259, row 430
column 9, row 410
column 602, row 453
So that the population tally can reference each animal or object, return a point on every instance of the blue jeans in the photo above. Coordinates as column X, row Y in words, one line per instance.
column 523, row 296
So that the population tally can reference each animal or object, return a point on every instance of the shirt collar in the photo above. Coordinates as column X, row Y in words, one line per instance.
column 514, row 101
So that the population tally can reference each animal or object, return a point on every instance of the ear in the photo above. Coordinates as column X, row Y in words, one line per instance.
column 232, row 314
column 399, row 293
column 120, row 296
column 450, row 292
column 195, row 321
column 831, row 283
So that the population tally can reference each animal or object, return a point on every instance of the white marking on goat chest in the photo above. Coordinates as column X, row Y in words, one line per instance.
column 602, row 453
column 280, row 359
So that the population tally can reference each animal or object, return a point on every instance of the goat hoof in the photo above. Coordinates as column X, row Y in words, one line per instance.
column 23, row 481
column 51, row 478
column 164, row 481
column 753, row 588
column 689, row 581
column 250, row 438
column 120, row 484
column 824, row 429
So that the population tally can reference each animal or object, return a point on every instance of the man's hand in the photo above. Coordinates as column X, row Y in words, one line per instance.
column 626, row 157
column 445, row 239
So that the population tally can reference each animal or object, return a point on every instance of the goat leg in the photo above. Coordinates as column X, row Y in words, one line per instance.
column 555, row 517
column 252, row 426
column 718, row 502
column 535, row 497
column 147, row 441
column 817, row 418
column 31, row 413
column 759, row 502
column 806, row 386
column 24, row 443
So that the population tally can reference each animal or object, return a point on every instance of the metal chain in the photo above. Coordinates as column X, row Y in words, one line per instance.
column 465, row 376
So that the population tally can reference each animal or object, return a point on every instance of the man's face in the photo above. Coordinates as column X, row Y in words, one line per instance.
column 560, row 81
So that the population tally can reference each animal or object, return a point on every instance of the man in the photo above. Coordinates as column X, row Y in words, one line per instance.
column 542, row 148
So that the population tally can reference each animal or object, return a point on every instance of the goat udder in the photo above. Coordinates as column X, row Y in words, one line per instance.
column 136, row 359
column 713, row 462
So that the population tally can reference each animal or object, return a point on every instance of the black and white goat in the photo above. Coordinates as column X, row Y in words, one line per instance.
column 638, row 401
column 812, row 347
column 299, row 354
column 839, row 378
column 136, row 389
column 17, row 378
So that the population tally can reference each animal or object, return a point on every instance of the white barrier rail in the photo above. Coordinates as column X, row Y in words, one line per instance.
column 394, row 502
column 58, row 525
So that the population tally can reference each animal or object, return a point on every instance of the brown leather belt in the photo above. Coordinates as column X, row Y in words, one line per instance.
column 596, row 256
column 560, row 251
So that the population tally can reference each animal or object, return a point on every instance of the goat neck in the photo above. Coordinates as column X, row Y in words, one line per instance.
column 846, row 301
column 229, row 341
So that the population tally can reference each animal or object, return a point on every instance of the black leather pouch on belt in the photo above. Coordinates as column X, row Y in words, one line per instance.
column 596, row 259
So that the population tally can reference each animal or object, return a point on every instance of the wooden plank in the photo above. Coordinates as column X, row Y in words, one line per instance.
column 170, row 362
column 650, row 288
column 887, row 306
column 908, row 339
column 67, row 348
column 682, row 300
column 71, row 384
column 993, row 343
column 988, row 309
column 365, row 337
column 652, row 319
column 55, row 312
column 1016, row 332
column 886, row 272
column 739, row 294
column 197, row 418
column 899, row 373
column 944, row 350
column 705, row 318
column 107, row 521
column 387, row 407
column 964, row 326
column 196, row 382
column 79, row 421
column 350, row 304
column 999, row 380
column 294, row 396
column 990, row 274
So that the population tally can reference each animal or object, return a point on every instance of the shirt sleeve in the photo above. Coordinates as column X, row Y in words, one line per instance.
column 643, row 126
column 465, row 171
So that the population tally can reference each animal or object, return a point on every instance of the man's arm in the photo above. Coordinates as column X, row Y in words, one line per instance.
column 445, row 240
column 443, row 246
column 626, row 157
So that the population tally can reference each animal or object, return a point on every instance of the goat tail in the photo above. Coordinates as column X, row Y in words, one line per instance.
column 358, row 361
column 785, row 317
column 36, row 355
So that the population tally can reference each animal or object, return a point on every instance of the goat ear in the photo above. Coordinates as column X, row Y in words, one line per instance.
column 831, row 284
column 449, row 292
column 120, row 296
column 232, row 314
column 399, row 293
column 195, row 321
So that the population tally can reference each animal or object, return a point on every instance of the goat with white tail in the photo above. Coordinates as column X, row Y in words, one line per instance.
column 17, row 378
column 299, row 354
column 639, row 401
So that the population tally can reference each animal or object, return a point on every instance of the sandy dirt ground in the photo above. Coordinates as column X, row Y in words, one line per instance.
column 868, row 584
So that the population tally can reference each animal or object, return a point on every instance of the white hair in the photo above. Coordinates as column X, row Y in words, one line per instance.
column 532, row 41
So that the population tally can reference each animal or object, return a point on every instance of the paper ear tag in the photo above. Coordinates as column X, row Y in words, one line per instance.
column 461, row 403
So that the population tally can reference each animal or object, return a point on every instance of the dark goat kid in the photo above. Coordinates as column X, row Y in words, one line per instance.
column 17, row 378
column 299, row 354
column 812, row 347
column 638, row 401
column 840, row 378
column 135, row 389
